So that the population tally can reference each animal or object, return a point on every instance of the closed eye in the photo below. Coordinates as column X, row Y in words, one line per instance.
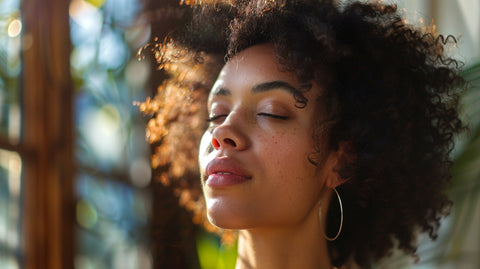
column 216, row 118
column 273, row 116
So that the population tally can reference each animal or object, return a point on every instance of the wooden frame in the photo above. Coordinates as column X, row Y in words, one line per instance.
column 47, row 139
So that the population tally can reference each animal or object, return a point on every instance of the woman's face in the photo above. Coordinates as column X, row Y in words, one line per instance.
column 254, row 155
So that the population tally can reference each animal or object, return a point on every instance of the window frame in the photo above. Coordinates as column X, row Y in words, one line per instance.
column 46, row 145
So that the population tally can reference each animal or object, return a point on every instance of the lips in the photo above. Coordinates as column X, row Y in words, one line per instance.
column 224, row 172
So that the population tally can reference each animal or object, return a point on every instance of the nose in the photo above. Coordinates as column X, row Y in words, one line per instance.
column 229, row 136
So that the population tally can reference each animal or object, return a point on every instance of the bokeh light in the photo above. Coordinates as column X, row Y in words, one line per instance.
column 87, row 215
column 14, row 28
column 10, row 126
column 112, row 154
column 10, row 187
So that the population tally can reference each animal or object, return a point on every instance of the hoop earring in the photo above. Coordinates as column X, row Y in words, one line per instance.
column 341, row 219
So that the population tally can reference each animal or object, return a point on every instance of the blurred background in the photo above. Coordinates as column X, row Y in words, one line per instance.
column 76, row 188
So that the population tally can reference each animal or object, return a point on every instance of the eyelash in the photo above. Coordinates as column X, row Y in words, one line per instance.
column 273, row 116
column 214, row 118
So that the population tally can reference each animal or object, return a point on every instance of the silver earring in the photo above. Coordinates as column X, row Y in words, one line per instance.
column 341, row 219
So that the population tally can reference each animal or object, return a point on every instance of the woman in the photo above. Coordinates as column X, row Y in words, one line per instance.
column 328, row 134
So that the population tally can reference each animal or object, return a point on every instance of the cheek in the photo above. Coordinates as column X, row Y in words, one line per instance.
column 292, row 185
column 288, row 154
column 290, row 147
column 204, row 150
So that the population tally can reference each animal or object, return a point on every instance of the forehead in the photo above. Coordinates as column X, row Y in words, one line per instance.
column 254, row 65
column 258, row 58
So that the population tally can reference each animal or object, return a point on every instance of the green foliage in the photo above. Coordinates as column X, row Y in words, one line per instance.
column 213, row 255
column 464, row 237
column 458, row 243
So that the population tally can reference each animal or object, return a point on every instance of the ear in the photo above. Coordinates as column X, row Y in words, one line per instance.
column 336, row 162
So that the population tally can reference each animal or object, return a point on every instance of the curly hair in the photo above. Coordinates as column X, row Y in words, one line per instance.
column 390, row 93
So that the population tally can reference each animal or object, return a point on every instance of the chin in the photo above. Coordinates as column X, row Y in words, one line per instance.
column 224, row 223
column 227, row 221
column 229, row 218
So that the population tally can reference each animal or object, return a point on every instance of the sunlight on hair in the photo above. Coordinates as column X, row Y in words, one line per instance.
column 202, row 2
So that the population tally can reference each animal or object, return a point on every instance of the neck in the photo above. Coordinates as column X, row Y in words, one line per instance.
column 299, row 246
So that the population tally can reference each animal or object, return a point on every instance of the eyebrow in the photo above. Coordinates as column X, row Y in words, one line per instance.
column 262, row 87
column 274, row 85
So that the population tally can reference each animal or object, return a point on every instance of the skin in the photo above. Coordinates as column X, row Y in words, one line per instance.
column 256, row 127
